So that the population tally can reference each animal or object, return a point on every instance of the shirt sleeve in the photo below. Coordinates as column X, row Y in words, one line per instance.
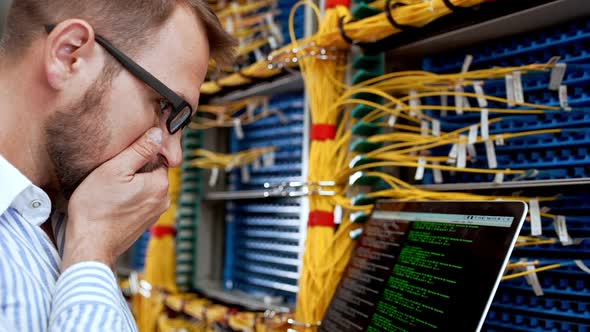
column 87, row 298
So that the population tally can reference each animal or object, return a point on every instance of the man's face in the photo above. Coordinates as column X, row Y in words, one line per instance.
column 88, row 131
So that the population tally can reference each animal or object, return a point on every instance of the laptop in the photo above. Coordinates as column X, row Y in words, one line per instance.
column 426, row 266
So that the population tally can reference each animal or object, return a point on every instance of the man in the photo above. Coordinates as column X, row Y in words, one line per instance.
column 93, row 98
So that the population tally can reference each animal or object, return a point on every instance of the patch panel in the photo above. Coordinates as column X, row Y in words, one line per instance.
column 262, row 236
column 139, row 251
column 188, row 212
column 566, row 301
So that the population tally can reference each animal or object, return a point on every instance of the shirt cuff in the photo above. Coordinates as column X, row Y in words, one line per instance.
column 86, row 282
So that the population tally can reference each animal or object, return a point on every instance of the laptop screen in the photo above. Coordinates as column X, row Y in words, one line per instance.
column 425, row 266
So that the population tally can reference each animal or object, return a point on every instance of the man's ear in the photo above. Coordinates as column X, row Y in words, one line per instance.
column 69, row 47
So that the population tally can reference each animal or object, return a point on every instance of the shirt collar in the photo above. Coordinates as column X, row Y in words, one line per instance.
column 17, row 192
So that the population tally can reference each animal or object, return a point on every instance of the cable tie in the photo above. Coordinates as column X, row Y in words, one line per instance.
column 454, row 8
column 343, row 35
column 391, row 19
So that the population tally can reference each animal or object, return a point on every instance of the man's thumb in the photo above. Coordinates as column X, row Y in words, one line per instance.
column 142, row 151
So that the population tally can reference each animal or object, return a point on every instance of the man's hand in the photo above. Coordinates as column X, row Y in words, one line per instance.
column 114, row 205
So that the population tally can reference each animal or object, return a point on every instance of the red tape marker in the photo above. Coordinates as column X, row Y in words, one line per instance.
column 323, row 132
column 334, row 3
column 321, row 218
column 159, row 231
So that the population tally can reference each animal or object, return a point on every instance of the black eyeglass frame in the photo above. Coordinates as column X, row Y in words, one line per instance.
column 178, row 103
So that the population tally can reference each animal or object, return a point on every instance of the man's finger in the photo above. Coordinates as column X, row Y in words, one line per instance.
column 142, row 151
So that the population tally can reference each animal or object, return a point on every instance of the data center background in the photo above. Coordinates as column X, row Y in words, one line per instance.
column 254, row 256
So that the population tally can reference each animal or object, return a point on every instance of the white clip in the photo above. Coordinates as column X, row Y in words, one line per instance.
column 467, row 63
column 238, row 128
column 485, row 123
column 214, row 176
column 472, row 137
column 462, row 152
column 535, row 215
column 435, row 127
column 459, row 99
column 250, row 109
column 582, row 266
column 518, row 89
column 453, row 154
column 499, row 178
column 245, row 173
column 444, row 101
column 437, row 173
column 420, row 169
column 472, row 152
column 424, row 126
column 564, row 99
column 491, row 154
column 337, row 214
column 561, row 230
column 533, row 280
column 258, row 55
column 392, row 120
column 557, row 75
column 414, row 103
column 509, row 79
column 256, row 165
column 269, row 159
column 229, row 25
column 481, row 100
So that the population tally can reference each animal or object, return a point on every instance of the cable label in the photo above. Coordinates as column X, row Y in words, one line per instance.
column 561, row 230
column 533, row 280
column 509, row 80
column 557, row 75
column 424, row 126
column 462, row 152
column 535, row 215
column 481, row 100
column 420, row 169
column 437, row 173
column 458, row 99
column 239, row 131
column 435, row 127
column 499, row 178
column 213, row 177
column 491, row 154
column 414, row 103
column 444, row 102
column 518, row 90
column 472, row 134
column 564, row 99
column 485, row 124
column 245, row 172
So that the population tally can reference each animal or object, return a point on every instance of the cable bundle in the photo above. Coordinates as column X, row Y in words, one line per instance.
column 327, row 251
column 211, row 160
column 160, row 266
column 414, row 14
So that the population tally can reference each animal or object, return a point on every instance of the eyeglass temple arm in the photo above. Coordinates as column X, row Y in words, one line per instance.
column 135, row 69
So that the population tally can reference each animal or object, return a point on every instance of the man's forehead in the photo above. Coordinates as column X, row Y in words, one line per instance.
column 180, row 54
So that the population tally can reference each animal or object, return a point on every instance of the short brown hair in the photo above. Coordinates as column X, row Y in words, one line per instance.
column 126, row 23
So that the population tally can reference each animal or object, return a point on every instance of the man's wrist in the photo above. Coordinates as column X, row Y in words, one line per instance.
column 75, row 256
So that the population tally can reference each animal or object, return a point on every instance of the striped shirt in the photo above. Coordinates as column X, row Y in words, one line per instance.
column 34, row 294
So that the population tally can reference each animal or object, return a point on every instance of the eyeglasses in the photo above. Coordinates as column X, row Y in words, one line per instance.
column 181, row 113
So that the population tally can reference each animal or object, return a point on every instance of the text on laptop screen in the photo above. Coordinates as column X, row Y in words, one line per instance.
column 421, row 271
